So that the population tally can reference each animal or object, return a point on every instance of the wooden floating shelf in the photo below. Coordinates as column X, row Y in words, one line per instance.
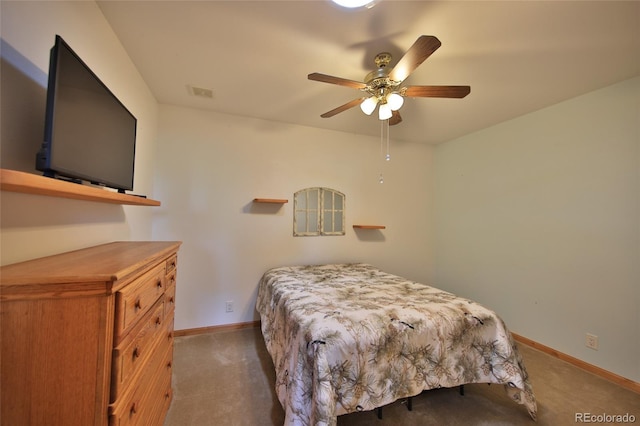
column 270, row 200
column 369, row 227
column 29, row 183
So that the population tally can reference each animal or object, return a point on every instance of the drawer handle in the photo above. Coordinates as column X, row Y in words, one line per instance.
column 171, row 300
column 159, row 284
column 173, row 264
column 172, row 278
column 136, row 352
column 169, row 336
column 169, row 365
column 137, row 305
column 158, row 321
column 134, row 409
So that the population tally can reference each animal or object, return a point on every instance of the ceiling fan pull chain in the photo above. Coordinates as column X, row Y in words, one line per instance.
column 388, row 156
column 381, row 178
column 381, row 138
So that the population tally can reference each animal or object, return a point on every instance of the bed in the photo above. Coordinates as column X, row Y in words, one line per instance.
column 350, row 337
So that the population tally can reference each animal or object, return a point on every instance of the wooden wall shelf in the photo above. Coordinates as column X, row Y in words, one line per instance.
column 28, row 183
column 270, row 200
column 369, row 227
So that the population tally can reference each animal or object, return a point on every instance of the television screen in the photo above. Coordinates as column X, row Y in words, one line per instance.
column 89, row 134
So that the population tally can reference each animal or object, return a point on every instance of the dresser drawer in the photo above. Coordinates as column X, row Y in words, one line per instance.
column 169, row 301
column 171, row 264
column 133, row 352
column 171, row 278
column 134, row 300
column 146, row 402
column 165, row 394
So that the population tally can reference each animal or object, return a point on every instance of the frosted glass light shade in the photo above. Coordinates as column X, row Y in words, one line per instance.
column 354, row 3
column 384, row 112
column 368, row 105
column 395, row 101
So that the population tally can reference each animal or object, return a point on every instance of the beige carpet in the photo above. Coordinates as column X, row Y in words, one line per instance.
column 227, row 378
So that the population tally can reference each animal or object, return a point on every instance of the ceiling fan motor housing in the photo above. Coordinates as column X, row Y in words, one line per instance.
column 378, row 82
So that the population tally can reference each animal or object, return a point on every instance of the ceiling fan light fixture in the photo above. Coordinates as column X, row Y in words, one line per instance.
column 395, row 101
column 384, row 112
column 353, row 4
column 369, row 105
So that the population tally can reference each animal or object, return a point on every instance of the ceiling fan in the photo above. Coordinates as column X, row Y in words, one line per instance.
column 383, row 87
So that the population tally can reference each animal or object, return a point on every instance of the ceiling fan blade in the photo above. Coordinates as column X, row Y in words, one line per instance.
column 336, row 80
column 423, row 47
column 341, row 108
column 395, row 118
column 436, row 91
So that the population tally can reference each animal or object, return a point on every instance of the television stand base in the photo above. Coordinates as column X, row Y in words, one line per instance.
column 63, row 178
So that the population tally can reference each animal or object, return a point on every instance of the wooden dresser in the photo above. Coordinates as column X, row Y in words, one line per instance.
column 87, row 336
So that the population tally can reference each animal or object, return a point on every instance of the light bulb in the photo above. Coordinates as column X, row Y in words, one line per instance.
column 384, row 112
column 368, row 105
column 395, row 101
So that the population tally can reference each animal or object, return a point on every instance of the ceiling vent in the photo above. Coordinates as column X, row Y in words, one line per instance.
column 200, row 92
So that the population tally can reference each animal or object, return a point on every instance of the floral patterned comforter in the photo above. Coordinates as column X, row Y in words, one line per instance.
column 349, row 337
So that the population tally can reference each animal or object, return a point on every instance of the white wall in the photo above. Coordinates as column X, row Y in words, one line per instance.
column 539, row 219
column 34, row 226
column 211, row 166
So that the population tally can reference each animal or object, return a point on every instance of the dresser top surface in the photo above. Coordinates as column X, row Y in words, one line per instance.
column 103, row 263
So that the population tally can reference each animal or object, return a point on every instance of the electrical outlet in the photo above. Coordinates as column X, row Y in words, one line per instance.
column 229, row 306
column 592, row 341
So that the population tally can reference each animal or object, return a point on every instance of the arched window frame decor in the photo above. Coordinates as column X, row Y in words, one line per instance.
column 318, row 211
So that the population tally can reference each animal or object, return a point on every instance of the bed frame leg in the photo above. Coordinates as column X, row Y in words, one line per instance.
column 409, row 407
column 462, row 390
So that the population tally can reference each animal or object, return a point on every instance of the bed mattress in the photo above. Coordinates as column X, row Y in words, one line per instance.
column 350, row 337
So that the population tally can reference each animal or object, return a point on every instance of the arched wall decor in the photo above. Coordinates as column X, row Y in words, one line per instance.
column 318, row 211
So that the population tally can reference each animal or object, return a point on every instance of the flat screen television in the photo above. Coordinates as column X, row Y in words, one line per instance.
column 89, row 134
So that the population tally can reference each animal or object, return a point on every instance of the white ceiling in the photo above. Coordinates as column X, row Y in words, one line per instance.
column 517, row 56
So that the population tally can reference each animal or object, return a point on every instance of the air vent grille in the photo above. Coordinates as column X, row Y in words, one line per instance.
column 201, row 92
